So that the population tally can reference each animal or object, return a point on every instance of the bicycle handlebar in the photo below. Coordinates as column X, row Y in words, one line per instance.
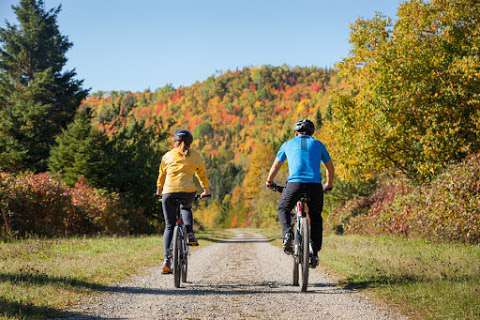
column 278, row 188
column 196, row 198
column 199, row 196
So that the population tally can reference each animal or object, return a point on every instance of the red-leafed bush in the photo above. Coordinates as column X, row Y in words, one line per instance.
column 102, row 209
column 360, row 215
column 38, row 204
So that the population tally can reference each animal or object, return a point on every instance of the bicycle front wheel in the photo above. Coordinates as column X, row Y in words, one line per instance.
column 305, row 229
column 184, row 268
column 177, row 255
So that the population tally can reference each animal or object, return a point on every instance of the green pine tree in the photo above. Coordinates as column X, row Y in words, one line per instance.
column 81, row 150
column 37, row 98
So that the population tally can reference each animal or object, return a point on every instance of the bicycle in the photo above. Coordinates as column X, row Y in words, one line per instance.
column 302, row 244
column 180, row 249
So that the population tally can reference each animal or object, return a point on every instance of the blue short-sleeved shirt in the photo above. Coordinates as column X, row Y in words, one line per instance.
column 304, row 154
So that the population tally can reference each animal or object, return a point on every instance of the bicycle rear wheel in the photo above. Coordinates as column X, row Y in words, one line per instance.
column 176, row 257
column 305, row 253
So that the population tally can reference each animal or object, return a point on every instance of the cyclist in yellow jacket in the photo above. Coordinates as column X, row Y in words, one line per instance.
column 175, row 183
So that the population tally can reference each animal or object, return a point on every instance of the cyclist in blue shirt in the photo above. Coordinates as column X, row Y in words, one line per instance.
column 305, row 155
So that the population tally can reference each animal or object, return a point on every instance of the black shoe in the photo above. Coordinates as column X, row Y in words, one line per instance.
column 287, row 242
column 313, row 261
column 191, row 240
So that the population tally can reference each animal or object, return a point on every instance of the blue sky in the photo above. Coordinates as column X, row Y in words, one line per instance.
column 134, row 45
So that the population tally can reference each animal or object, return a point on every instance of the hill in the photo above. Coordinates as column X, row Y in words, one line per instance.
column 235, row 117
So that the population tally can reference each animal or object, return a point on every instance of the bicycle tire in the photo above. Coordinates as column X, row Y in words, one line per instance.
column 176, row 257
column 296, row 244
column 184, row 268
column 305, row 253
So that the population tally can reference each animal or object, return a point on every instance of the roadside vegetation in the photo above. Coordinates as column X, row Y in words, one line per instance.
column 445, row 209
column 42, row 277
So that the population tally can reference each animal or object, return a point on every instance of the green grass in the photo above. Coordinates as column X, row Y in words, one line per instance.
column 426, row 280
column 423, row 280
column 40, row 278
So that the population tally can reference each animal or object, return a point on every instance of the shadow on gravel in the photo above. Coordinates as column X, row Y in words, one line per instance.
column 252, row 288
column 192, row 289
column 29, row 311
column 243, row 240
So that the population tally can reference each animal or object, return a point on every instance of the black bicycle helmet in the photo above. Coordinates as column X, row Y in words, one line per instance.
column 305, row 126
column 184, row 135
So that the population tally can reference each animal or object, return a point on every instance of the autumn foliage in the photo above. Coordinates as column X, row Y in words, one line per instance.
column 238, row 119
column 409, row 94
column 447, row 209
column 400, row 117
column 38, row 204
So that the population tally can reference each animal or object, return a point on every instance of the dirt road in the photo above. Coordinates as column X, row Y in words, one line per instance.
column 241, row 278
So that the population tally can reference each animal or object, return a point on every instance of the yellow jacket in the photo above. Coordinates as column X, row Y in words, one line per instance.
column 177, row 170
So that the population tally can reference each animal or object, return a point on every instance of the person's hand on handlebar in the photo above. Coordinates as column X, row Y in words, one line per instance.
column 327, row 187
column 205, row 193
column 269, row 183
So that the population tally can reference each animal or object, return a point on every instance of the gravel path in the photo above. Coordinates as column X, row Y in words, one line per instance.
column 241, row 278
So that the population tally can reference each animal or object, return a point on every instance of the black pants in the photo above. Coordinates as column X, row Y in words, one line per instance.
column 291, row 194
column 170, row 203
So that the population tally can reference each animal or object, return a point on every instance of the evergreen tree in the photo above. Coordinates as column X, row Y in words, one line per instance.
column 136, row 155
column 81, row 150
column 37, row 98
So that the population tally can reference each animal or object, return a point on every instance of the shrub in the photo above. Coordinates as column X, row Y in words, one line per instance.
column 38, row 204
column 360, row 214
column 447, row 209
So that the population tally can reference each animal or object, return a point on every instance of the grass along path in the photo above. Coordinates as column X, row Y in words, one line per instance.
column 40, row 278
column 424, row 280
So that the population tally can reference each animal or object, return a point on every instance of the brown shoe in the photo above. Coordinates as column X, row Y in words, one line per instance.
column 191, row 240
column 166, row 268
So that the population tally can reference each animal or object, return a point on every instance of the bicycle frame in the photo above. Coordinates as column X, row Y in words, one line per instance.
column 301, row 211
column 182, row 232
column 180, row 251
column 297, row 228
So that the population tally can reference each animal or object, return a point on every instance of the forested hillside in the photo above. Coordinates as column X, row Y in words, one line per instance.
column 238, row 119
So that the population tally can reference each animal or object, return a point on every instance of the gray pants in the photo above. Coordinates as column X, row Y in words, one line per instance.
column 170, row 204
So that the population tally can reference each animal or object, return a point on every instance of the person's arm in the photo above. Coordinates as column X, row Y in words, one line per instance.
column 162, row 174
column 279, row 160
column 330, row 175
column 273, row 172
column 201, row 174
